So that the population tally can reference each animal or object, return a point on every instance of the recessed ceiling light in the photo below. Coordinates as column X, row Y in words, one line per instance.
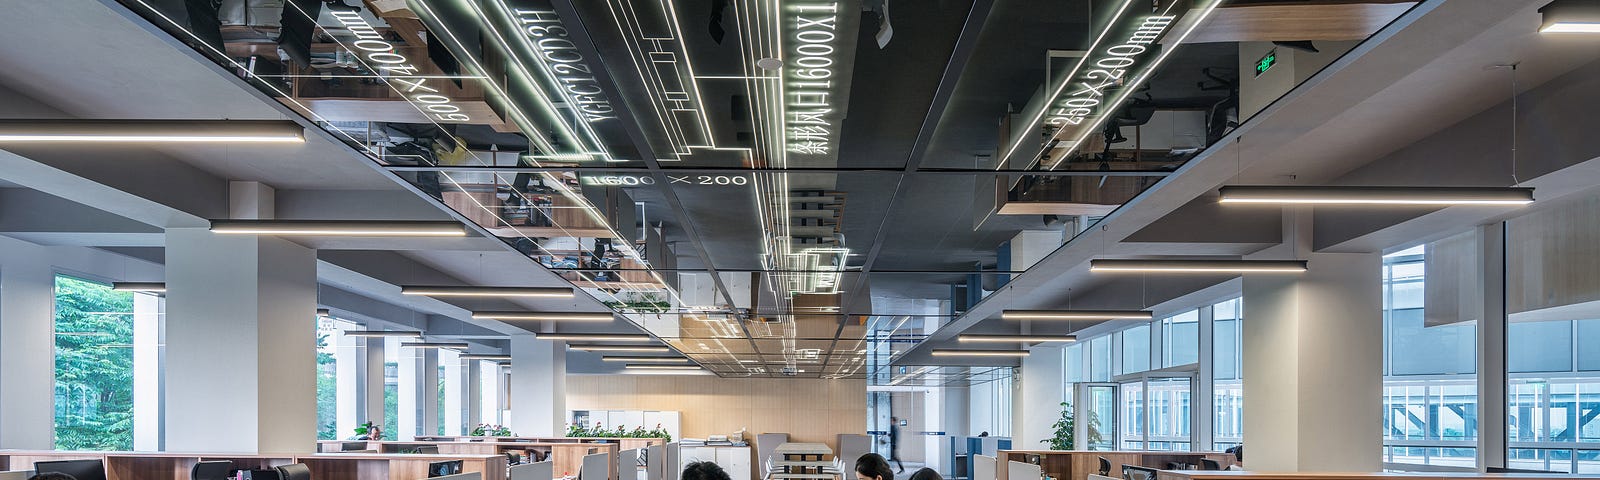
column 979, row 353
column 1198, row 266
column 594, row 337
column 1076, row 314
column 482, row 356
column 149, row 287
column 1570, row 16
column 158, row 131
column 1376, row 196
column 358, row 228
column 988, row 338
column 470, row 291
column 546, row 316
column 619, row 348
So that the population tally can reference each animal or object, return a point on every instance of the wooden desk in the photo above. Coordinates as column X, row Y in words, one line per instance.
column 802, row 451
column 324, row 466
column 1243, row 475
column 1078, row 464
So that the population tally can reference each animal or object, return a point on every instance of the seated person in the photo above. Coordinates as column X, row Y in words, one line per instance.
column 704, row 471
column 873, row 467
column 926, row 473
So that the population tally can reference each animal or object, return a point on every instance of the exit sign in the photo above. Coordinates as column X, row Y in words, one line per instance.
column 1266, row 62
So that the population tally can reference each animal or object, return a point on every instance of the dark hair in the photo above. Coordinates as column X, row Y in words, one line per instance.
column 704, row 471
column 53, row 476
column 926, row 474
column 873, row 465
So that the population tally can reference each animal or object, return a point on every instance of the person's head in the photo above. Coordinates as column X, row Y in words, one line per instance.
column 53, row 476
column 873, row 467
column 704, row 471
column 926, row 474
column 894, row 419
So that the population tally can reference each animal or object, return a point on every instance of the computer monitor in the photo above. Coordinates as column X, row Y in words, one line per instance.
column 211, row 470
column 440, row 469
column 79, row 469
column 1131, row 472
column 352, row 446
column 1514, row 470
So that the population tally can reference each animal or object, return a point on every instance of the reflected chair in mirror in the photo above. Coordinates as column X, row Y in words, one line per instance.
column 294, row 471
column 211, row 470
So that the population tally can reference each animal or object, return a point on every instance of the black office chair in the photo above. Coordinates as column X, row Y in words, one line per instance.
column 211, row 470
column 428, row 449
column 1209, row 464
column 1105, row 467
column 294, row 471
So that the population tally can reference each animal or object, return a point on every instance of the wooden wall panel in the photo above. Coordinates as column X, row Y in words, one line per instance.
column 1553, row 257
column 809, row 410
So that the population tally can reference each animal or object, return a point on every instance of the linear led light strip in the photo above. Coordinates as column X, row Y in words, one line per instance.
column 1363, row 195
column 680, row 360
column 382, row 334
column 547, row 316
column 1076, row 314
column 1130, row 87
column 471, row 291
column 505, row 11
column 661, row 367
column 449, row 345
column 172, row 131
column 339, row 228
column 979, row 353
column 619, row 348
column 649, row 79
column 484, row 356
column 1198, row 266
column 147, row 287
column 987, row 338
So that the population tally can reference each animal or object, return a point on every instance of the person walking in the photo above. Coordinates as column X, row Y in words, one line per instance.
column 894, row 443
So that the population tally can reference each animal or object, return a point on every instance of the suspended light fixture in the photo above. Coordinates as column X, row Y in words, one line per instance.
column 1004, row 338
column 619, row 348
column 1379, row 196
column 356, row 228
column 151, row 131
column 546, row 316
column 470, row 291
column 979, row 353
column 1570, row 16
column 483, row 356
column 1197, row 266
column 146, row 287
column 661, row 367
column 646, row 359
column 450, row 345
column 594, row 337
column 1076, row 314
column 382, row 334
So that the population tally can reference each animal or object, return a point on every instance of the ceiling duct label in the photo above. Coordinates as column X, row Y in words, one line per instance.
column 1106, row 68
column 564, row 67
column 400, row 72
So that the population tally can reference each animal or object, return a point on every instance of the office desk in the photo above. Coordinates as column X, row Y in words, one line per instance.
column 803, row 451
column 1243, row 475
column 1078, row 464
column 324, row 466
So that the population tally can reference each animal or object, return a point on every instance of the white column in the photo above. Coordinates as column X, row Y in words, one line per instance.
column 1313, row 360
column 1492, row 348
column 472, row 393
column 419, row 393
column 147, row 421
column 348, row 382
column 241, row 343
column 1203, row 416
column 1039, row 401
column 1030, row 246
column 455, row 378
column 428, row 390
column 27, row 346
column 372, row 373
column 538, row 387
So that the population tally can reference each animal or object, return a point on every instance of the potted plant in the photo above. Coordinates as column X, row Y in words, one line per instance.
column 1065, row 437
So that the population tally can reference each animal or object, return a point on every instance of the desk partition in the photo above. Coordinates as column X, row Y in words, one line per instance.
column 324, row 466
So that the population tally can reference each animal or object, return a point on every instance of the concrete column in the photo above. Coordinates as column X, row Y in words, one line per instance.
column 1313, row 361
column 27, row 346
column 538, row 387
column 147, row 372
column 1492, row 348
column 372, row 373
column 1039, row 401
column 1031, row 246
column 241, row 343
column 419, row 393
column 348, row 395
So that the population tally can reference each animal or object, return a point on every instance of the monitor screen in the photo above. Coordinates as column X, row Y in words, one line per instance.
column 79, row 469
column 440, row 469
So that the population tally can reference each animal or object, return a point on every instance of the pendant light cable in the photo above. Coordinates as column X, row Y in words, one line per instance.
column 1514, row 180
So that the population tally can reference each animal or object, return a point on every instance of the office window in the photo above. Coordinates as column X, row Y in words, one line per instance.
column 94, row 340
column 1180, row 339
column 329, row 332
column 1135, row 349
column 1227, row 390
column 1072, row 365
column 441, row 389
column 391, row 388
column 1100, row 359
column 1430, row 384
column 1132, row 417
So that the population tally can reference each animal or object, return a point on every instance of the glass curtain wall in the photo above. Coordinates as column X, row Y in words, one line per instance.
column 1430, row 356
column 1227, row 378
column 94, row 342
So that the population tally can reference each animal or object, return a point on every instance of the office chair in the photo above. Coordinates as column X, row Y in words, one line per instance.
column 1209, row 464
column 211, row 470
column 294, row 471
column 1105, row 467
column 428, row 449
